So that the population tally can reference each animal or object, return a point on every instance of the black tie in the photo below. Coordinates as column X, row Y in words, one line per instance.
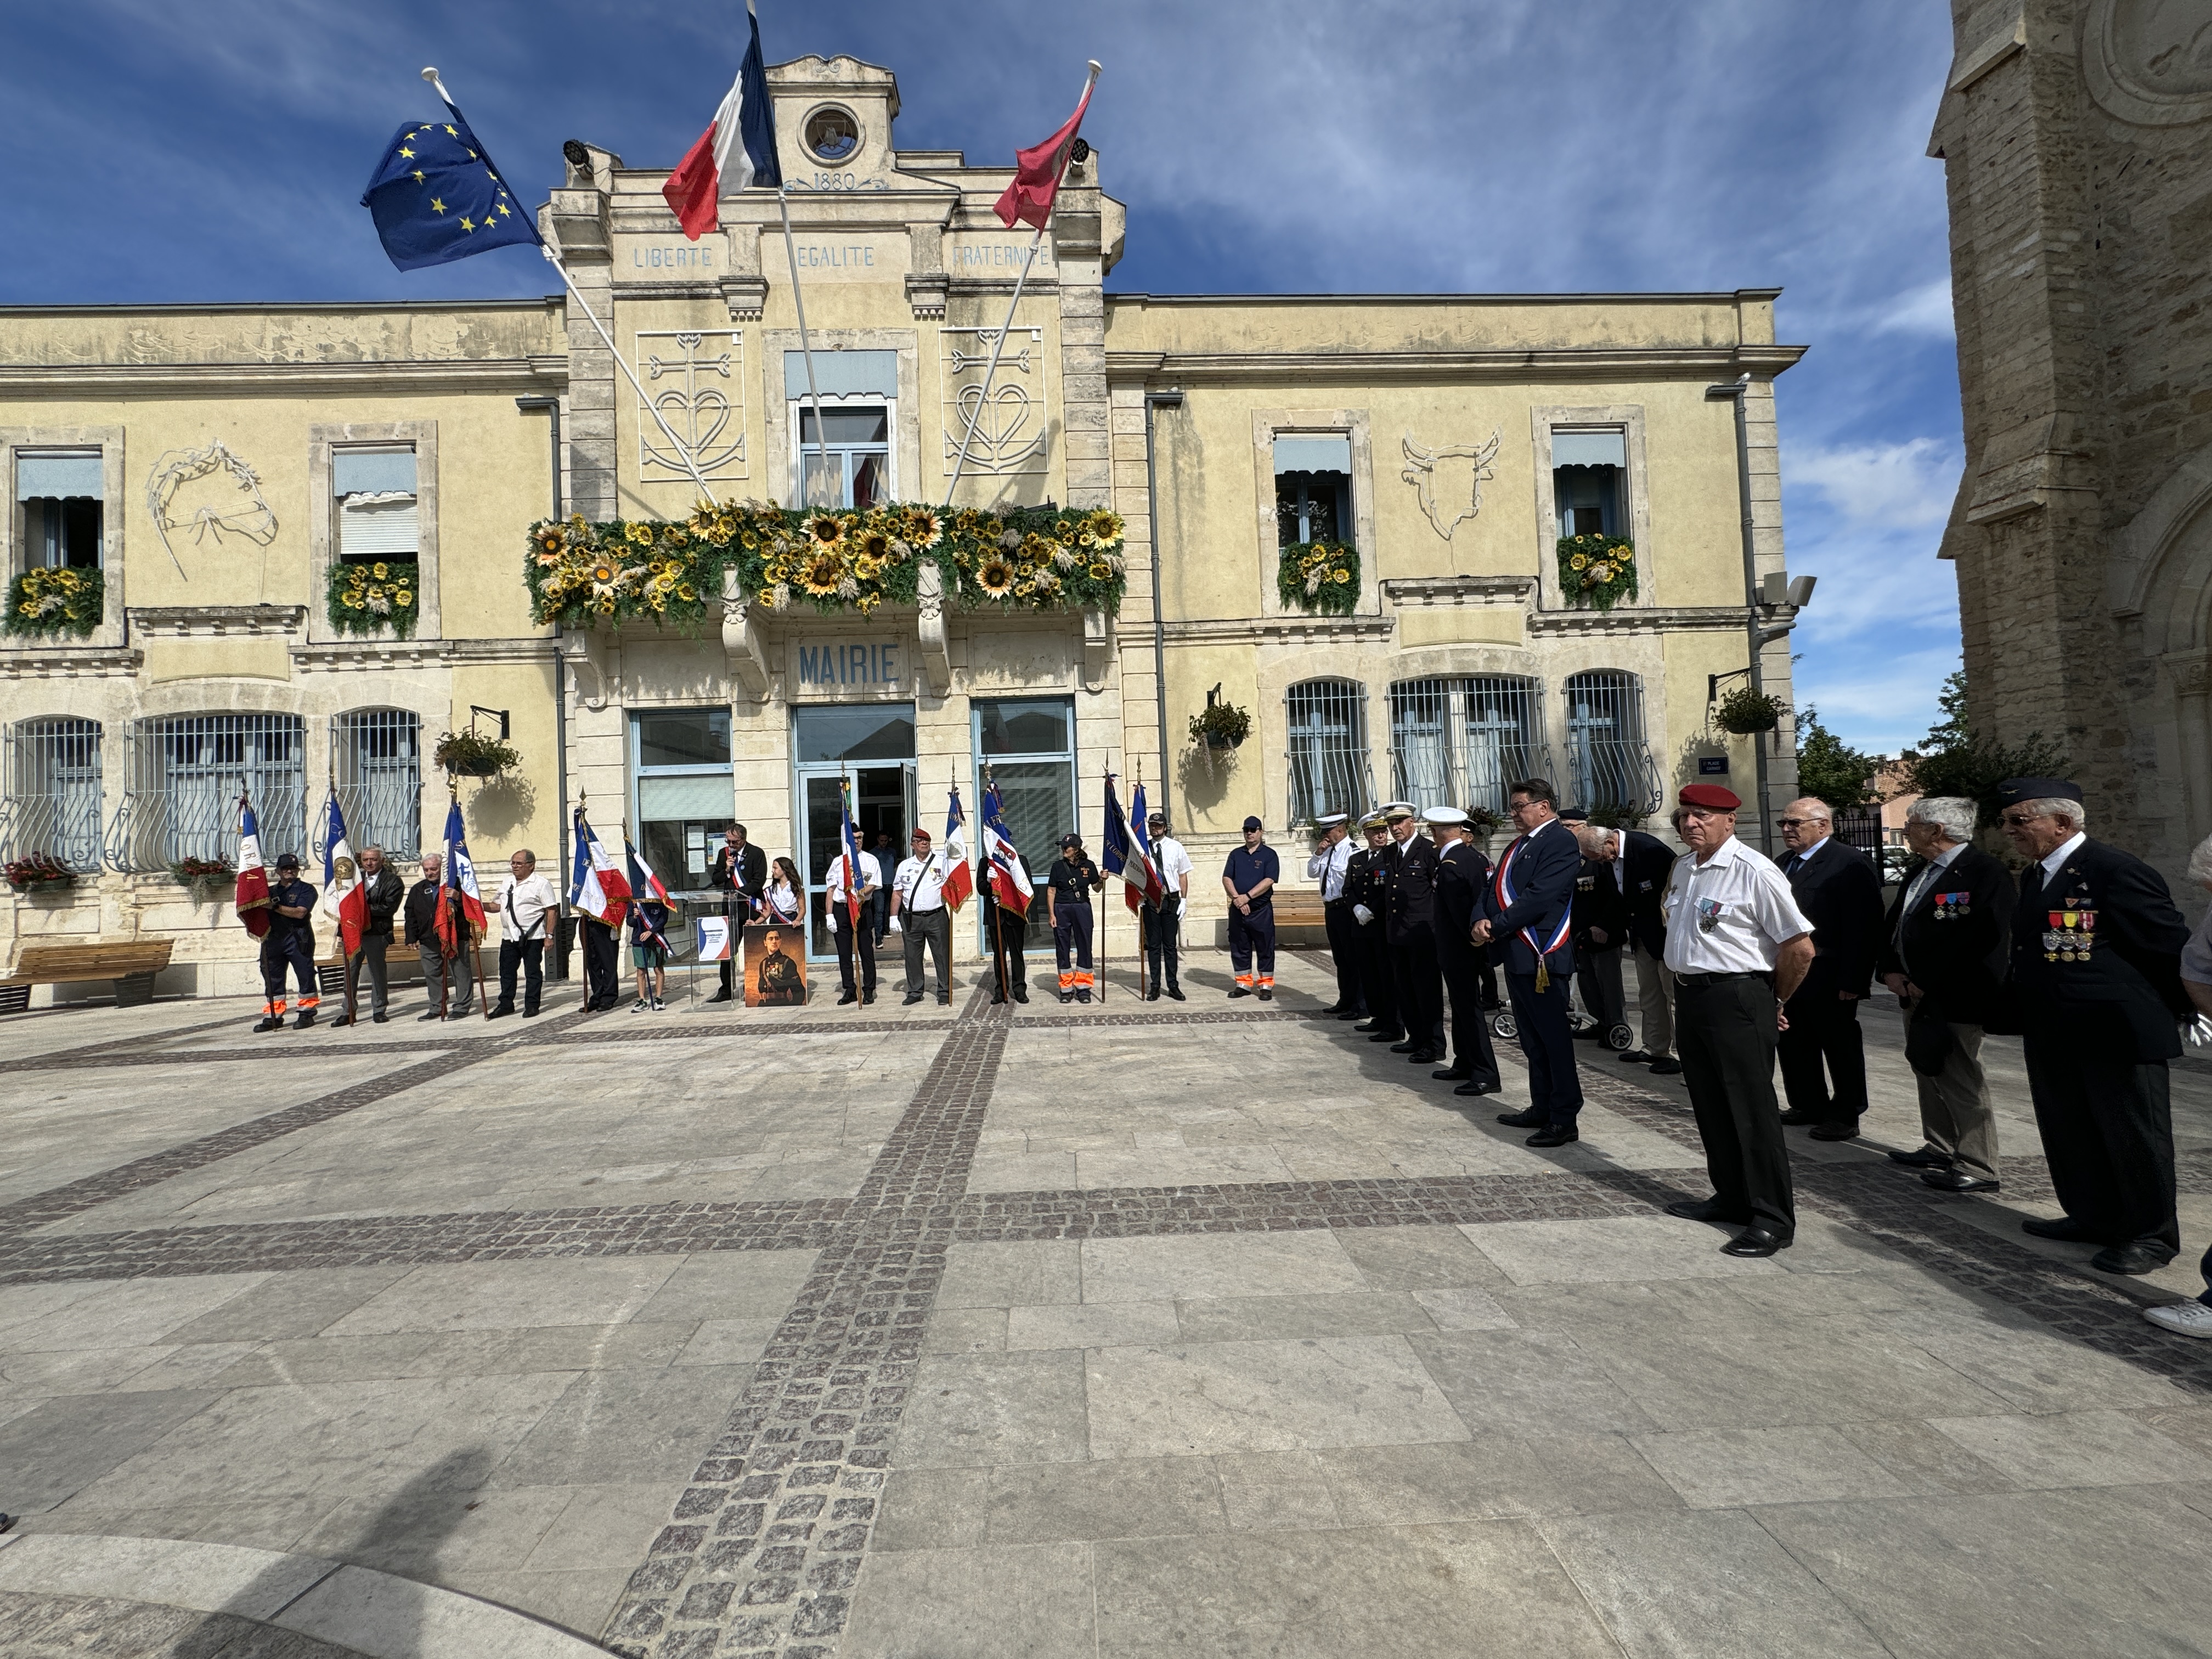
column 2031, row 882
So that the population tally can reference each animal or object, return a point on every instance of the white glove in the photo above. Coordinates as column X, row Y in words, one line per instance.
column 2198, row 1031
column 1364, row 915
column 895, row 927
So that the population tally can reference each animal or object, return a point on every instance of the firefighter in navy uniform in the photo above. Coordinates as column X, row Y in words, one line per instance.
column 1367, row 884
column 290, row 941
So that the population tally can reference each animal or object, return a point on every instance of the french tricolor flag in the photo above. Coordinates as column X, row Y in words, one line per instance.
column 739, row 149
column 600, row 889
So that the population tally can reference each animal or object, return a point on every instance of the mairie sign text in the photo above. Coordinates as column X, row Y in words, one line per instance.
column 848, row 664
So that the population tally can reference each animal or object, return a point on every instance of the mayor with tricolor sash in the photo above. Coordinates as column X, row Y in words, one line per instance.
column 1529, row 908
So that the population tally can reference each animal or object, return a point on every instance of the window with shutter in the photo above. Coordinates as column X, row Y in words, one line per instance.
column 374, row 491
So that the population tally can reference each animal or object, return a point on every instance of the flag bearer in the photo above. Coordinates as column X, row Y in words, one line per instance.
column 290, row 942
column 1164, row 921
column 1068, row 886
column 1250, row 880
column 919, row 911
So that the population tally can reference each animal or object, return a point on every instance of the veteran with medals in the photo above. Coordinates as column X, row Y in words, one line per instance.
column 2096, row 986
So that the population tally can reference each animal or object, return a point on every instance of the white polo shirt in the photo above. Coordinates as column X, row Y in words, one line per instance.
column 872, row 875
column 1729, row 915
column 523, row 906
column 919, row 884
column 1328, row 865
column 1172, row 862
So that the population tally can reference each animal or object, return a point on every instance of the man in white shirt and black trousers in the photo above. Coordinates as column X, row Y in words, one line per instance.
column 1738, row 946
column 1163, row 922
column 918, row 913
column 527, row 910
column 1332, row 852
column 842, row 886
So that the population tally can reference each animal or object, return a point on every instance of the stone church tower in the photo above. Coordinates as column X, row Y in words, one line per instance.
column 2077, row 137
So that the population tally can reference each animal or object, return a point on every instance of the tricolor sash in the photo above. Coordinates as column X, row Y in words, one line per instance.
column 1502, row 889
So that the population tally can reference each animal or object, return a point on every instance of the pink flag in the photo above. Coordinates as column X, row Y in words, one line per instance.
column 1028, row 200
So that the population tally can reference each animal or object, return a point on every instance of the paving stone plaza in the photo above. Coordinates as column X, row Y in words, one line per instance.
column 1091, row 1331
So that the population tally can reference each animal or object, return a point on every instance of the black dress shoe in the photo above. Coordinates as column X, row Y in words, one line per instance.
column 1335, row 1008
column 1476, row 1086
column 1452, row 1074
column 2130, row 1259
column 1530, row 1119
column 910, row 999
column 1174, row 994
column 2065, row 1230
column 1755, row 1242
column 1555, row 1134
column 1022, row 993
column 867, row 997
column 1359, row 1014
column 719, row 996
column 1153, row 996
column 1957, row 1181
column 1236, row 991
column 1796, row 1119
column 1634, row 1056
column 1926, row 1159
column 1847, row 1130
column 1383, row 1036
column 1666, row 1066
column 1368, row 1025
column 381, row 1019
column 423, row 1018
column 497, row 1013
column 1705, row 1209
column 849, row 996
column 343, row 1019
column 944, row 1002
column 1406, row 1047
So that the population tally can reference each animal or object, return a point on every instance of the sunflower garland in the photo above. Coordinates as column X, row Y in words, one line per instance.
column 56, row 600
column 1322, row 576
column 1597, row 569
column 367, row 598
column 580, row 573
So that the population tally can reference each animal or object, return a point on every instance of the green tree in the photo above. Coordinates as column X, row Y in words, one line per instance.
column 1956, row 760
column 1828, row 768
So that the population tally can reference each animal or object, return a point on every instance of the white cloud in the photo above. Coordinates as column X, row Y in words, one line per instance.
column 1898, row 486
column 1923, row 310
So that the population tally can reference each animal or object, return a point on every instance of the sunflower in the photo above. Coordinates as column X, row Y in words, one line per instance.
column 403, row 596
column 923, row 528
column 1100, row 571
column 995, row 577
column 874, row 544
column 867, row 568
column 1064, row 532
column 638, row 535
column 1622, row 553
column 686, row 592
column 549, row 543
column 819, row 573
column 604, row 573
column 868, row 602
column 1341, row 576
column 1581, row 561
column 826, row 529
column 1104, row 526
column 1034, row 548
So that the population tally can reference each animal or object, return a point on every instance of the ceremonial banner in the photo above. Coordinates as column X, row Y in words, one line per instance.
column 345, row 895
column 1009, row 882
column 775, row 967
column 598, row 886
column 458, row 883
column 959, row 878
column 251, row 902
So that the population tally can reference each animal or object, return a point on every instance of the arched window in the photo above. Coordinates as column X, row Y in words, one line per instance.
column 1608, row 762
column 376, row 754
column 185, row 776
column 1460, row 742
column 1326, row 721
column 52, row 801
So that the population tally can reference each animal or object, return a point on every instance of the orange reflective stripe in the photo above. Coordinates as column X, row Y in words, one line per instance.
column 1243, row 979
column 1067, row 980
column 1267, row 979
column 311, row 1002
column 277, row 1006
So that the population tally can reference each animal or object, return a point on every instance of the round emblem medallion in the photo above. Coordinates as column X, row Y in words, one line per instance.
column 2149, row 61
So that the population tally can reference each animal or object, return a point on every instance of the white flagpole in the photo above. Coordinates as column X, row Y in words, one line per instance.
column 806, row 350
column 552, row 258
column 1020, row 282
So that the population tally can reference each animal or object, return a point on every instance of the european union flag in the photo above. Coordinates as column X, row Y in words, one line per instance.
column 435, row 198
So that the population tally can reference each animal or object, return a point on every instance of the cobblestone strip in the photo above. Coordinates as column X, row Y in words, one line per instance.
column 763, row 1552
column 1148, row 1017
column 94, row 1051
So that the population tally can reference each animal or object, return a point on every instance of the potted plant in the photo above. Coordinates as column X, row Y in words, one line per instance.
column 40, row 873
column 1744, row 712
column 467, row 755
column 1597, row 569
column 1222, row 725
column 1319, row 576
column 48, row 600
column 201, row 875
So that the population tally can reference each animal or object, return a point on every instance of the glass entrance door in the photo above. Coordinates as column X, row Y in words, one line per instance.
column 870, row 745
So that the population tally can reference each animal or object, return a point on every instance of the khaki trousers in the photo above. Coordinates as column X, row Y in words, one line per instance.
column 1654, row 1002
column 1955, row 1115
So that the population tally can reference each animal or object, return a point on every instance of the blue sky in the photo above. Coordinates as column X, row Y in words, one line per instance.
column 217, row 152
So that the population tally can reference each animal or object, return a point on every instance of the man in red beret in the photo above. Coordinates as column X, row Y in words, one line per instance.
column 1738, row 946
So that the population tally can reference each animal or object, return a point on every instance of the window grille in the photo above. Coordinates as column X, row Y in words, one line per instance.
column 185, row 775
column 1327, row 731
column 1609, row 762
column 53, row 800
column 376, row 757
column 1461, row 742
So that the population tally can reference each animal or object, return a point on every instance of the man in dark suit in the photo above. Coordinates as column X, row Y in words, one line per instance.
column 1367, row 885
column 1462, row 873
column 739, row 869
column 1835, row 885
column 1943, row 952
column 1412, row 921
column 1640, row 868
column 1601, row 923
column 2096, row 986
column 1527, row 908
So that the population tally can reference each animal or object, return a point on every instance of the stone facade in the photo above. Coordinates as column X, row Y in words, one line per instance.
column 2076, row 138
column 1450, row 416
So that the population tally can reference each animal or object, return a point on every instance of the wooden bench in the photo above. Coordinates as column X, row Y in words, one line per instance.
column 1298, row 919
column 132, row 966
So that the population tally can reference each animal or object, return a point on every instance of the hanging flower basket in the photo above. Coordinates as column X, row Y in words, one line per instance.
column 1319, row 576
column 465, row 755
column 1744, row 712
column 40, row 873
column 1223, row 726
column 1597, row 570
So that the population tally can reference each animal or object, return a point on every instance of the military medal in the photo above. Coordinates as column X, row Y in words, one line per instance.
column 1709, row 914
